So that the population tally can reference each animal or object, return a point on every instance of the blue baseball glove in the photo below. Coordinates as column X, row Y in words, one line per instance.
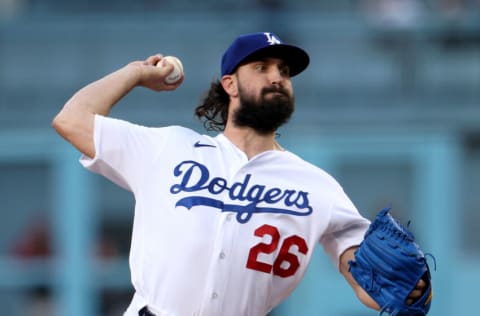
column 389, row 264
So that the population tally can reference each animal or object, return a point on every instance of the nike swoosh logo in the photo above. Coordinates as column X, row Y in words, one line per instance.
column 198, row 144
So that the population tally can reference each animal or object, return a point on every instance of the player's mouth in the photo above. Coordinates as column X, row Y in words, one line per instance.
column 275, row 91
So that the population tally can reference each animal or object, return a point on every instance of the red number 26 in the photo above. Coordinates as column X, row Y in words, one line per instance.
column 286, row 263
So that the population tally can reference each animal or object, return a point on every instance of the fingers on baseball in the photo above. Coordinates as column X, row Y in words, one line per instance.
column 173, row 71
column 156, row 76
column 153, row 60
column 163, row 69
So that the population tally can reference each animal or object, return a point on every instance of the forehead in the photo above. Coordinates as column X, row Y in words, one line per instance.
column 265, row 59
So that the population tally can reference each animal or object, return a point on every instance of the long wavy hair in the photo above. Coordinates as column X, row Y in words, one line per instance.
column 213, row 109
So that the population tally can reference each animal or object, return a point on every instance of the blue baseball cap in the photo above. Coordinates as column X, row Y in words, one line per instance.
column 263, row 44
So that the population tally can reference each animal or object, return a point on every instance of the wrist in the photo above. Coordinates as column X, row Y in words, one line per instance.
column 133, row 73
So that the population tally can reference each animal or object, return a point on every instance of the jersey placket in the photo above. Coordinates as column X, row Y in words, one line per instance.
column 221, row 266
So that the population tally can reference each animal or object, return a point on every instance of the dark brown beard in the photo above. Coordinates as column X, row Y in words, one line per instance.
column 266, row 114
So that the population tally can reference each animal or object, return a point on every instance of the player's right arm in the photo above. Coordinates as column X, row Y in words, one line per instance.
column 75, row 122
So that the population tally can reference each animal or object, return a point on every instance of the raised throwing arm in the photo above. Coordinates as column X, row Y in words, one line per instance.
column 75, row 122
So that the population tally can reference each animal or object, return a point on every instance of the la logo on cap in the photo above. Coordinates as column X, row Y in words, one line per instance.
column 271, row 39
column 265, row 44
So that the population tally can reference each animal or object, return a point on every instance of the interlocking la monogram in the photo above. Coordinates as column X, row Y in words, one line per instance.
column 272, row 40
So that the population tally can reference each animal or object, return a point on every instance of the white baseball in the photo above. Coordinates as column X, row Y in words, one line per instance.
column 177, row 71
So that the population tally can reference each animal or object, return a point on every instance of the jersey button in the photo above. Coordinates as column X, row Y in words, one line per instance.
column 229, row 217
column 222, row 255
column 214, row 295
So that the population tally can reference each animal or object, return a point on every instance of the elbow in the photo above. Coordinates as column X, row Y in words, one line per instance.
column 55, row 123
column 65, row 124
column 77, row 129
column 59, row 124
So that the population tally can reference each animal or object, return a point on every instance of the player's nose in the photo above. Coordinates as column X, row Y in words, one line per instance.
column 276, row 76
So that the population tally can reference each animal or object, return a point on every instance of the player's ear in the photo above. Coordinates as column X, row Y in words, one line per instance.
column 229, row 84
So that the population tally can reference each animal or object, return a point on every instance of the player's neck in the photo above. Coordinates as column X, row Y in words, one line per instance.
column 251, row 142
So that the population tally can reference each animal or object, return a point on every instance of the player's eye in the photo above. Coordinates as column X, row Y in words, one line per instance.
column 260, row 67
column 285, row 70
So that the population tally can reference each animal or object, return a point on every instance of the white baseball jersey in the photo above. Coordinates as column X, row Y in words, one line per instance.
column 216, row 233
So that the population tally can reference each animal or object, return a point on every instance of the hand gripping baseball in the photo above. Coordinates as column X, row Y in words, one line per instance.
column 389, row 266
column 160, row 73
column 177, row 72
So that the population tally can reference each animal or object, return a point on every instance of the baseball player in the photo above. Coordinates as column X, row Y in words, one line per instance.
column 223, row 225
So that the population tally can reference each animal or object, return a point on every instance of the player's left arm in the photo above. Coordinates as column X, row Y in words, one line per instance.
column 362, row 295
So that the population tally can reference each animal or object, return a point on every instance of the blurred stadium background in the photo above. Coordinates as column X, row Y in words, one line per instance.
column 390, row 105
